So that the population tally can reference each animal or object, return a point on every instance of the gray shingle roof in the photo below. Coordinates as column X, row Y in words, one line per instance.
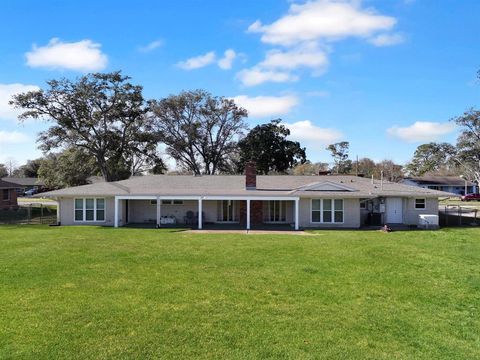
column 440, row 180
column 24, row 181
column 234, row 185
column 7, row 185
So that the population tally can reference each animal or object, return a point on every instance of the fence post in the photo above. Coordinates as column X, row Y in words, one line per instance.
column 459, row 215
column 41, row 213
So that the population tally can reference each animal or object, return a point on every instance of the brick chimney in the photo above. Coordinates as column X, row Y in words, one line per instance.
column 250, row 175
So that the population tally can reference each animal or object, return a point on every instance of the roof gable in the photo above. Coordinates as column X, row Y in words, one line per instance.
column 326, row 186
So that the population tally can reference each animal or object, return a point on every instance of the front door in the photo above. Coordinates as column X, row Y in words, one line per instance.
column 394, row 211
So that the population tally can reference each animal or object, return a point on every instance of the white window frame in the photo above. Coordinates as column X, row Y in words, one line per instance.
column 8, row 194
column 424, row 204
column 84, row 210
column 363, row 201
column 332, row 211
column 281, row 204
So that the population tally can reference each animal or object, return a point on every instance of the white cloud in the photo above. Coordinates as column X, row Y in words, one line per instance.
column 421, row 131
column 304, row 56
column 323, row 20
column 151, row 46
column 307, row 132
column 12, row 137
column 256, row 76
column 84, row 55
column 266, row 106
column 6, row 93
column 387, row 39
column 198, row 61
column 226, row 62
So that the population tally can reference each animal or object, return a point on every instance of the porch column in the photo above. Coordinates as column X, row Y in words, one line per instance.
column 58, row 210
column 296, row 213
column 248, row 214
column 159, row 210
column 200, row 214
column 116, row 212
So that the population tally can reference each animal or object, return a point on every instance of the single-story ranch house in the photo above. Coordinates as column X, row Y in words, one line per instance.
column 247, row 201
column 452, row 184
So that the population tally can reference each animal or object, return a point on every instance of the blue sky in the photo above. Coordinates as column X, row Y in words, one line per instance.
column 384, row 75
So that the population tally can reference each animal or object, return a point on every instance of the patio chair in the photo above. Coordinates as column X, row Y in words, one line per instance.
column 190, row 218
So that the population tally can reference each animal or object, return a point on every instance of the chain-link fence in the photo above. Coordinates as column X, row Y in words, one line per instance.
column 456, row 215
column 29, row 214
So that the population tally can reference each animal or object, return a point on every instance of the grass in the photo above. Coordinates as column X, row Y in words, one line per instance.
column 34, row 200
column 458, row 202
column 102, row 293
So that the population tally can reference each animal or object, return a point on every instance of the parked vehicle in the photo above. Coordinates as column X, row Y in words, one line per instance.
column 30, row 192
column 471, row 197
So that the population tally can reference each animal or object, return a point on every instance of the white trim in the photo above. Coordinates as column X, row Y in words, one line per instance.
column 115, row 219
column 200, row 214
column 84, row 209
column 263, row 198
column 297, row 204
column 159, row 212
column 248, row 214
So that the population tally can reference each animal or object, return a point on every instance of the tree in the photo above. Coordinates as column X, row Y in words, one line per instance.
column 309, row 168
column 339, row 151
column 366, row 167
column 199, row 130
column 268, row 146
column 72, row 167
column 391, row 171
column 11, row 166
column 30, row 169
column 467, row 153
column 103, row 114
column 3, row 171
column 430, row 158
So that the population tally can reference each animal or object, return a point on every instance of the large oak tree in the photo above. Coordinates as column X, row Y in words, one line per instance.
column 102, row 114
column 200, row 131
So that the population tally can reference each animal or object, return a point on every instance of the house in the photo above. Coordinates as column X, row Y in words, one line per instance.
column 245, row 201
column 24, row 184
column 451, row 184
column 8, row 195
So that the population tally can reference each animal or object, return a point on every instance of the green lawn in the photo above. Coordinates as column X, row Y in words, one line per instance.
column 98, row 293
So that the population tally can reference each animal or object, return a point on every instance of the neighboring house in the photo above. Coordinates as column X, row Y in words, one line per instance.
column 451, row 184
column 24, row 184
column 8, row 195
column 247, row 201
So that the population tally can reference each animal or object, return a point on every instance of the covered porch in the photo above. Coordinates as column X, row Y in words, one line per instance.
column 208, row 212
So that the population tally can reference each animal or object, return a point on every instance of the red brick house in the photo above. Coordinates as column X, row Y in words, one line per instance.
column 8, row 195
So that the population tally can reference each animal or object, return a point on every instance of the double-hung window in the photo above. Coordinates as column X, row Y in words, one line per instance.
column 327, row 211
column 420, row 204
column 89, row 209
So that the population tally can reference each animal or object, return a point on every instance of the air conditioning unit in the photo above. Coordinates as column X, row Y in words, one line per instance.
column 428, row 221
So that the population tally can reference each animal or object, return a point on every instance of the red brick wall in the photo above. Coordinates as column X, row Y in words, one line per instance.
column 8, row 203
column 251, row 175
column 256, row 212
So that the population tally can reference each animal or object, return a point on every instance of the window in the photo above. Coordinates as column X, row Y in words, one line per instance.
column 100, row 210
column 277, row 211
column 327, row 211
column 89, row 209
column 420, row 204
column 172, row 202
column 78, row 209
column 363, row 203
column 227, row 211
column 153, row 202
column 316, row 208
column 6, row 194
